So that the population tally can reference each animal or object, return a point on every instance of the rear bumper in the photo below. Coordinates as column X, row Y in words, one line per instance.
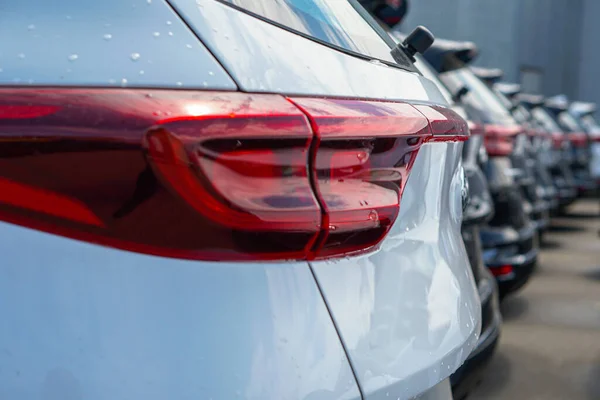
column 522, row 269
column 540, row 215
column 513, row 261
column 466, row 378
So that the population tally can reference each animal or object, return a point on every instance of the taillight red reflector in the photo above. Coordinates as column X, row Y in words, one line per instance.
column 210, row 175
column 502, row 270
column 500, row 140
column 578, row 139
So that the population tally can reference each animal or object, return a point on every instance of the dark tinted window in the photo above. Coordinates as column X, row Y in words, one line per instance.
column 335, row 22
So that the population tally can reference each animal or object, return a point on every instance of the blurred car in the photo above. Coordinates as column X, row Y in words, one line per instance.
column 559, row 157
column 509, row 239
column 581, row 149
column 207, row 199
column 523, row 156
column 478, row 211
column 538, row 146
column 584, row 112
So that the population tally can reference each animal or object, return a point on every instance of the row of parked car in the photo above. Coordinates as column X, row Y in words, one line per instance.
column 225, row 199
column 528, row 158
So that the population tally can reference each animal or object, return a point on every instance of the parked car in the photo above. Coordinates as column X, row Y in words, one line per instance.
column 584, row 112
column 580, row 144
column 523, row 156
column 478, row 211
column 559, row 158
column 509, row 239
column 538, row 146
column 207, row 199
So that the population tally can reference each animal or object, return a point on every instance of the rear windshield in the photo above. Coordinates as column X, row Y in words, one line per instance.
column 480, row 97
column 544, row 118
column 590, row 124
column 335, row 22
column 568, row 122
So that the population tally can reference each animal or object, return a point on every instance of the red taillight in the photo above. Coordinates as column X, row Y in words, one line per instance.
column 558, row 138
column 364, row 153
column 500, row 140
column 578, row 139
column 502, row 270
column 207, row 175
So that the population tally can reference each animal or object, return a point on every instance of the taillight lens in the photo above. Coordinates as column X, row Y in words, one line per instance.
column 578, row 139
column 208, row 175
column 558, row 138
column 500, row 140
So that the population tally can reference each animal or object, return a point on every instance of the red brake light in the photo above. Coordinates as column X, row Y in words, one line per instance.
column 207, row 175
column 578, row 139
column 558, row 138
column 499, row 140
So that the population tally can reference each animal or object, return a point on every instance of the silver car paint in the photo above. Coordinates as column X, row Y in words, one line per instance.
column 138, row 43
column 409, row 313
column 112, row 324
column 81, row 321
column 262, row 57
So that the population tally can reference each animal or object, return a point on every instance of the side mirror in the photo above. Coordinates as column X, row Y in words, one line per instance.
column 456, row 97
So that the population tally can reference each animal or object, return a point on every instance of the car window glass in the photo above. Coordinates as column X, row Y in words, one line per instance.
column 479, row 96
column 590, row 124
column 569, row 122
column 545, row 119
column 334, row 22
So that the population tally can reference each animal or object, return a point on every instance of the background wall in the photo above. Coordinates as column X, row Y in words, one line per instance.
column 550, row 46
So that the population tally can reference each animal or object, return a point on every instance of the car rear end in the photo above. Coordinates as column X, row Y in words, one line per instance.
column 522, row 156
column 583, row 113
column 536, row 148
column 206, row 199
column 559, row 155
column 579, row 140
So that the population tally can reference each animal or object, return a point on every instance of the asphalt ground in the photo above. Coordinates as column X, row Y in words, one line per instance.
column 550, row 342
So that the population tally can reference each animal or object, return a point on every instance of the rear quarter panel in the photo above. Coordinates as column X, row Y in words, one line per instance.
column 409, row 312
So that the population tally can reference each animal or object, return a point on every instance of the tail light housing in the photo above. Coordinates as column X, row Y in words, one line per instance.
column 500, row 140
column 211, row 175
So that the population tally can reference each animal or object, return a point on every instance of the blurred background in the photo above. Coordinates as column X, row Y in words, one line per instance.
column 549, row 46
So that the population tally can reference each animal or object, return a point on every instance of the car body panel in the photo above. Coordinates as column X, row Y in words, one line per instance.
column 262, row 57
column 409, row 312
column 111, row 43
column 86, row 321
